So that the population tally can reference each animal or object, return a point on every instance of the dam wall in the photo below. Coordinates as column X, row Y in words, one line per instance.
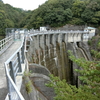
column 50, row 50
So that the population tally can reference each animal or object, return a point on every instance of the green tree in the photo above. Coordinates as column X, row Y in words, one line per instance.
column 60, row 12
column 38, row 22
column 90, row 77
column 78, row 7
column 87, row 15
column 65, row 91
column 97, row 16
column 9, row 23
column 76, row 21
column 10, row 17
column 2, row 22
column 93, row 5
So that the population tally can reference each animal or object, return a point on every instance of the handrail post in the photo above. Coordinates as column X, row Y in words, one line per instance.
column 22, row 53
column 9, row 87
column 19, row 62
column 12, row 71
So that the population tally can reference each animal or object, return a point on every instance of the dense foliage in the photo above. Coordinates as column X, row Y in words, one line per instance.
column 10, row 17
column 90, row 77
column 60, row 12
column 94, row 45
column 52, row 13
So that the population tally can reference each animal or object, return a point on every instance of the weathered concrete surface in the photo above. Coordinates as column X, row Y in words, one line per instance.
column 50, row 50
column 85, row 47
column 79, row 50
column 35, row 68
column 39, row 78
column 34, row 94
column 23, row 91
column 73, row 66
column 3, row 84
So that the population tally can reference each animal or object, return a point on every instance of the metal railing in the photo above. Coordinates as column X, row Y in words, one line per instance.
column 55, row 32
column 5, row 43
column 14, row 93
column 13, row 67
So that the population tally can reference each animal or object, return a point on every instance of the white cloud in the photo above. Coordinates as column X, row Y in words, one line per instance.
column 25, row 4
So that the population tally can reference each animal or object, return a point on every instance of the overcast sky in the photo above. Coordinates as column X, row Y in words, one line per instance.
column 25, row 4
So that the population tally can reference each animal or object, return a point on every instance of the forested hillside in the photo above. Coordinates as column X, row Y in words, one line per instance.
column 53, row 13
column 60, row 12
column 10, row 17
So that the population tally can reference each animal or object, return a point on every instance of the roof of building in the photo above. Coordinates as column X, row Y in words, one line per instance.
column 90, row 28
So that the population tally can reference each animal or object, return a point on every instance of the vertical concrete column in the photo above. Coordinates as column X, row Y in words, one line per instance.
column 59, row 53
column 80, row 36
column 53, row 56
column 67, row 66
column 62, row 52
column 74, row 37
column 31, row 50
column 47, row 52
column 66, row 37
column 41, row 50
column 35, row 57
column 70, row 37
column 54, row 44
column 43, row 46
column 47, row 56
column 48, row 44
column 38, row 48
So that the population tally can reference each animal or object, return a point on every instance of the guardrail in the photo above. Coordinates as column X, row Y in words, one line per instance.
column 5, row 43
column 31, row 33
column 13, row 67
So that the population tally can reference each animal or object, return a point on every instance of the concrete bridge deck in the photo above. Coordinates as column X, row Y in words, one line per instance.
column 6, row 55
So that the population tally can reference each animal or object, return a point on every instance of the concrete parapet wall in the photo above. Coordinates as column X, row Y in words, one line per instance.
column 52, row 37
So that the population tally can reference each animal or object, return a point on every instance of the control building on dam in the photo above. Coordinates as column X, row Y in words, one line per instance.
column 50, row 49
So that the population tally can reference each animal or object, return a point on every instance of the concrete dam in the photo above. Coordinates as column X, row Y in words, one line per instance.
column 31, row 56
column 49, row 49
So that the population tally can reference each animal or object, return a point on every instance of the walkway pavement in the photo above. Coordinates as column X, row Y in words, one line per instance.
column 4, row 57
